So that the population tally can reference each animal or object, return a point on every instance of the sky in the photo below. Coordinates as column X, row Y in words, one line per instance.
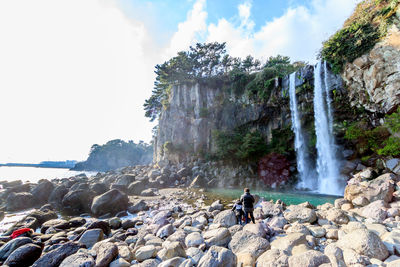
column 74, row 73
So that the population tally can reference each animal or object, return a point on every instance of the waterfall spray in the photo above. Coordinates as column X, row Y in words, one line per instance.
column 327, row 165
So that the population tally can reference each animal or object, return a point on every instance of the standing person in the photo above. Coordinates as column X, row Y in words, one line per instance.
column 248, row 202
column 238, row 209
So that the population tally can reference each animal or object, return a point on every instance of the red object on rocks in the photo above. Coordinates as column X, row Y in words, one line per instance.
column 19, row 232
column 273, row 169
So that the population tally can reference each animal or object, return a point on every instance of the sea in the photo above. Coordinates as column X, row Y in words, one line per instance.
column 34, row 174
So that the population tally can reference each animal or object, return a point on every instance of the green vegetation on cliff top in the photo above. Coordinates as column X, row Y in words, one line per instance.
column 209, row 65
column 368, row 24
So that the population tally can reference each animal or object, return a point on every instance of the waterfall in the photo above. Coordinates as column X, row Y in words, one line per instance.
column 327, row 165
column 303, row 166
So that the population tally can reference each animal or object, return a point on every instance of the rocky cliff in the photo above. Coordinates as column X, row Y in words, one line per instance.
column 194, row 112
column 373, row 80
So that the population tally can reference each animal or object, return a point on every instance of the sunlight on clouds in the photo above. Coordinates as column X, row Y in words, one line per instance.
column 71, row 77
column 189, row 32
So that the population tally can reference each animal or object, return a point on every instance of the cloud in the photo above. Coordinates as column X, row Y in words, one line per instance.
column 73, row 73
column 298, row 33
column 189, row 32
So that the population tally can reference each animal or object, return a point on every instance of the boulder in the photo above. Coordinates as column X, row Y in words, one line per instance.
column 270, row 209
column 138, row 206
column 77, row 200
column 98, row 188
column 375, row 210
column 337, row 216
column 277, row 222
column 120, row 262
column 171, row 250
column 247, row 242
column 136, row 188
column 392, row 241
column 289, row 241
column 91, row 237
column 12, row 245
column 335, row 254
column 57, row 195
column 19, row 201
column 310, row 258
column 106, row 252
column 145, row 252
column 150, row 192
column 365, row 243
column 273, row 257
column 218, row 257
column 258, row 229
column 55, row 223
column 225, row 218
column 297, row 213
column 194, row 240
column 217, row 237
column 198, row 182
column 42, row 191
column 165, row 231
column 393, row 165
column 79, row 259
column 149, row 263
column 43, row 216
column 381, row 188
column 195, row 254
column 112, row 202
column 56, row 256
column 24, row 256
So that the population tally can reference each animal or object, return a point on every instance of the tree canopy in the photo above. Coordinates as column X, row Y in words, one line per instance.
column 208, row 63
column 116, row 154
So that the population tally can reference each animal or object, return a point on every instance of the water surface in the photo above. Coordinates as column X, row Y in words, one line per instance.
column 289, row 197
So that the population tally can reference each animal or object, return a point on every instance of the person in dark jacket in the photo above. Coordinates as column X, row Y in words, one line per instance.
column 238, row 209
column 248, row 204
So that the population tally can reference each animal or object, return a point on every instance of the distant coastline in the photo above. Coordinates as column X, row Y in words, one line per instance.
column 68, row 164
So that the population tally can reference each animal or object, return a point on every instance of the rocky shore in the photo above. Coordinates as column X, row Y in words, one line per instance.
column 146, row 216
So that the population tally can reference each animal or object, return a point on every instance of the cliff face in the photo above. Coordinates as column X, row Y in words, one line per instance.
column 373, row 80
column 187, row 123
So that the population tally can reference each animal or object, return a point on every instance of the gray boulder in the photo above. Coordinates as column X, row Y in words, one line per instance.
column 112, row 201
column 311, row 258
column 56, row 256
column 226, row 218
column 19, row 201
column 12, row 245
column 79, row 259
column 24, row 256
column 218, row 257
column 247, row 242
column 42, row 191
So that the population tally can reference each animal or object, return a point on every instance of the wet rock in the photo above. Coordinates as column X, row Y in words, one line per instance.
column 19, row 201
column 12, row 245
column 106, row 252
column 98, row 188
column 218, row 257
column 77, row 221
column 58, row 194
column 42, row 191
column 110, row 202
column 115, row 223
column 79, row 259
column 77, row 200
column 311, row 258
column 24, row 256
column 55, row 223
column 56, row 256
column 43, row 216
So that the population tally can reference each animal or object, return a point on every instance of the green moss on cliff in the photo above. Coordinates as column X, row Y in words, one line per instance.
column 360, row 33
